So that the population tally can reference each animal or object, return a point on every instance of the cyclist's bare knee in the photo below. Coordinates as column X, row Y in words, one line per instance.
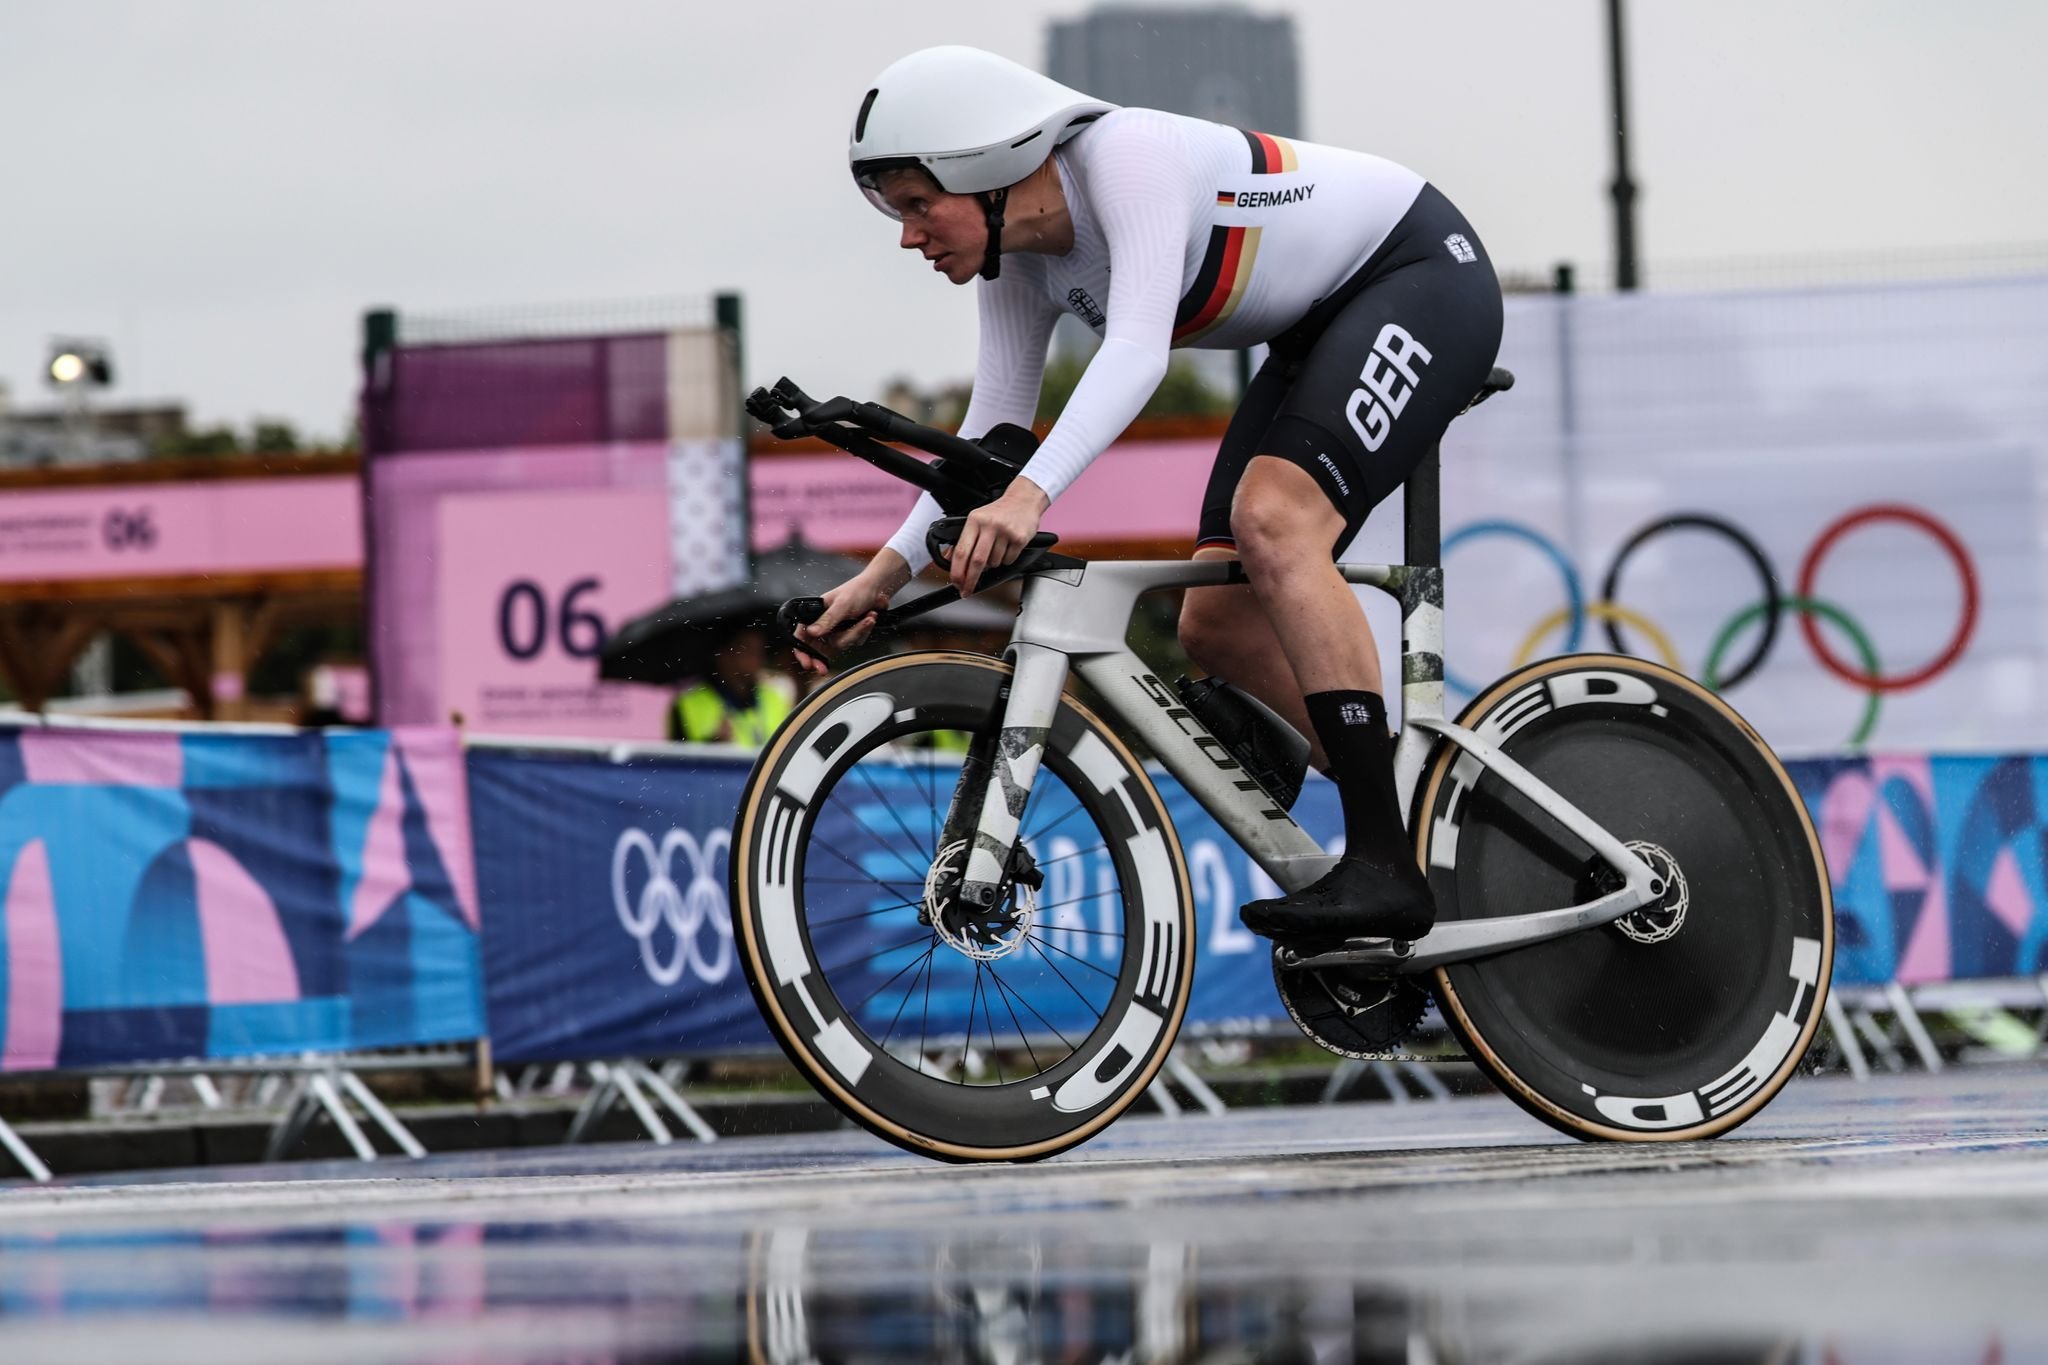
column 1281, row 517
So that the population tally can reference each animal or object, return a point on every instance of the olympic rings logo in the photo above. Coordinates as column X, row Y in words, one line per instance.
column 1770, row 608
column 687, row 909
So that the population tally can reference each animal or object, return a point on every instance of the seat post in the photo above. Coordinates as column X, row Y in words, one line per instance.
column 1422, row 529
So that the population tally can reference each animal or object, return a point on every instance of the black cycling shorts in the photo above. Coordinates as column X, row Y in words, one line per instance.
column 1364, row 386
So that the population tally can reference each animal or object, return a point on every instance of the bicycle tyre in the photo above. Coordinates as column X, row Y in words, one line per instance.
column 1600, row 1034
column 1054, row 1107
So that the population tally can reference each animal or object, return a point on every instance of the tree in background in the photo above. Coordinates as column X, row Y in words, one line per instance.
column 1183, row 393
column 266, row 437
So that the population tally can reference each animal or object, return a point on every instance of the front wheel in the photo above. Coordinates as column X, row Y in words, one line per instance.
column 1681, row 1019
column 1011, row 1038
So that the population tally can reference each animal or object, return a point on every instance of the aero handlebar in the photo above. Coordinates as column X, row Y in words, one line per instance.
column 963, row 477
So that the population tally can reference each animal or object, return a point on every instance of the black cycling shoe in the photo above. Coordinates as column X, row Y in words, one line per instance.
column 1354, row 899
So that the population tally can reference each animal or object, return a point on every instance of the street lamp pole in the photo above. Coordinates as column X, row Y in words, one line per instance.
column 1623, row 188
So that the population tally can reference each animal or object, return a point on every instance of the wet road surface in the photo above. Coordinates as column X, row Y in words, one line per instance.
column 1901, row 1220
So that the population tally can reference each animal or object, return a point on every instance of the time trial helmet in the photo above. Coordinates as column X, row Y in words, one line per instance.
column 976, row 122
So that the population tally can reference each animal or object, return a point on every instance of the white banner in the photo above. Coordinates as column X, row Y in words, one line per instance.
column 1881, row 448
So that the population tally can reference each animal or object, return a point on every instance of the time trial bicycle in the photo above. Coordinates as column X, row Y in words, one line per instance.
column 962, row 907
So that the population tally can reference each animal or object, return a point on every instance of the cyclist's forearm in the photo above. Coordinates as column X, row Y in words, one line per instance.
column 908, row 542
column 889, row 571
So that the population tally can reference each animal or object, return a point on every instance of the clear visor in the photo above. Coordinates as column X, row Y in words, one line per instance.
column 867, row 187
column 870, row 175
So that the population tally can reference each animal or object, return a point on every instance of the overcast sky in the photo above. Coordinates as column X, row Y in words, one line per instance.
column 219, row 188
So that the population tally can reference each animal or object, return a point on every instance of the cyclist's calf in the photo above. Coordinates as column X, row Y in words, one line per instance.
column 1224, row 631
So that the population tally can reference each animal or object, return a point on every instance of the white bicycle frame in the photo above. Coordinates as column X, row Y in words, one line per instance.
column 1076, row 619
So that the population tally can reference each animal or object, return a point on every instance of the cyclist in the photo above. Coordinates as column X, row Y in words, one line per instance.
column 1383, row 316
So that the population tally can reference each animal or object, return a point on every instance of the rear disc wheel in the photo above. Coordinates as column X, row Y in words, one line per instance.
column 1684, row 1018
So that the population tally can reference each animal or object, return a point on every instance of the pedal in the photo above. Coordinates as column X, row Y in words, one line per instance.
column 1354, row 952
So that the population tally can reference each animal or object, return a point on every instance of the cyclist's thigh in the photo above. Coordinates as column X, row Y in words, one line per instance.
column 1242, row 440
column 1397, row 363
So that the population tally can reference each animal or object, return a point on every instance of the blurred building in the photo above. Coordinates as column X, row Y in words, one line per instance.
column 31, row 438
column 1217, row 62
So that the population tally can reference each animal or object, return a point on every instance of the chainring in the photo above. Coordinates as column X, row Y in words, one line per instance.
column 1351, row 1012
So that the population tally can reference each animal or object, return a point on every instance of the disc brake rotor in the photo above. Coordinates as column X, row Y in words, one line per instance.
column 1658, row 922
column 982, row 933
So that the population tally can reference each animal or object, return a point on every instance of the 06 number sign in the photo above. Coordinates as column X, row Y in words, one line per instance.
column 524, row 621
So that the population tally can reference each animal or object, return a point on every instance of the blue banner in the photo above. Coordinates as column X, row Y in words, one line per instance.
column 607, row 930
column 1937, row 863
column 187, row 895
column 608, row 933
column 606, row 927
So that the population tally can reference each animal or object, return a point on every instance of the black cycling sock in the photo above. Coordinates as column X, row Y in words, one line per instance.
column 1353, row 729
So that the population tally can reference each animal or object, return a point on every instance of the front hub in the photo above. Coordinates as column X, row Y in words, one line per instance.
column 982, row 932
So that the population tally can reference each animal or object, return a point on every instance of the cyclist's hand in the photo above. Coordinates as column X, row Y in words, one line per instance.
column 848, row 618
column 997, row 533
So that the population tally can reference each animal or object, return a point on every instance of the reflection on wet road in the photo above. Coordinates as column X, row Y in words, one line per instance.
column 1897, row 1221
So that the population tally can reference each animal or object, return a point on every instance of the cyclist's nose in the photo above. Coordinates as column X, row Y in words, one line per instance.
column 912, row 237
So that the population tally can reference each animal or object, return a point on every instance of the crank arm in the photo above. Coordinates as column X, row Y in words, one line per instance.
column 1462, row 940
column 1387, row 954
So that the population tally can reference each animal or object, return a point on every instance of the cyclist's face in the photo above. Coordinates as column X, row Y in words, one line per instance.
column 949, row 230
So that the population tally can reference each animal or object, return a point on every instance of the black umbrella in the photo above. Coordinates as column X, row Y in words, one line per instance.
column 679, row 640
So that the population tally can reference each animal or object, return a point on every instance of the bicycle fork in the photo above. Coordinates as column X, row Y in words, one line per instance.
column 1031, row 703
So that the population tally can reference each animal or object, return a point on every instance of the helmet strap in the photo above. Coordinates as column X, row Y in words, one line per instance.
column 992, row 208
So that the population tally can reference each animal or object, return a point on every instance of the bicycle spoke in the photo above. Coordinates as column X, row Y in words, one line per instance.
column 848, row 881
column 1015, row 1022
column 972, row 1001
column 889, row 806
column 915, row 961
column 1051, row 1028
column 930, row 960
column 994, row 1053
column 1064, row 929
column 1082, row 960
column 886, row 886
column 868, row 914
column 925, row 1024
column 912, row 943
column 1032, row 943
column 1075, row 900
column 883, row 843
column 1037, row 830
column 1069, row 857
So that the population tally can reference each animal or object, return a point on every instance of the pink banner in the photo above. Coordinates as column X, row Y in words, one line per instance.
column 207, row 527
column 406, row 491
column 1136, row 491
column 529, row 586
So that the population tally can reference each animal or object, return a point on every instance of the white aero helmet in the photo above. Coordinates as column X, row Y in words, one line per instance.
column 978, row 123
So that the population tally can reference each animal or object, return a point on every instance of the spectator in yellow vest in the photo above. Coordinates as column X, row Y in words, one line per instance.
column 740, row 702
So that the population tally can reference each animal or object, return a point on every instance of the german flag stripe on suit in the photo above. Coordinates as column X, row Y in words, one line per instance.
column 1227, row 264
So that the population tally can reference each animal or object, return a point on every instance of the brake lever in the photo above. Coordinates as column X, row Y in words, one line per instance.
column 801, row 611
